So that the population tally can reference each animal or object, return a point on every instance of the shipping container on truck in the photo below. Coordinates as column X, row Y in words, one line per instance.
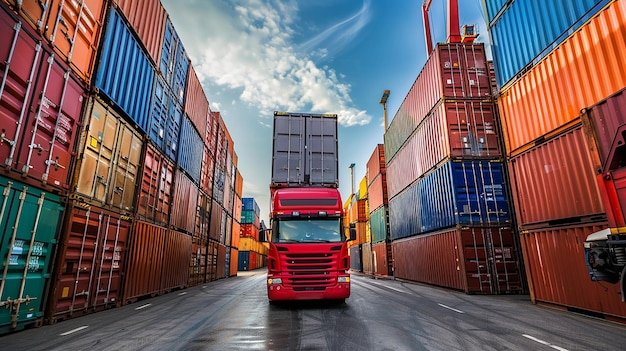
column 308, row 253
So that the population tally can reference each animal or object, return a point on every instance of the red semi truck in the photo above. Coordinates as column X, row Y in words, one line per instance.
column 308, row 253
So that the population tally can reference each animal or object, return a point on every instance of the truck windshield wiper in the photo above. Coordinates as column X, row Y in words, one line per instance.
column 318, row 240
column 288, row 241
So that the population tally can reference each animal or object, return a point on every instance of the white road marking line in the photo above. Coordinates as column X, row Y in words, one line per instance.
column 144, row 306
column 388, row 287
column 450, row 308
column 543, row 342
column 182, row 293
column 204, row 287
column 74, row 330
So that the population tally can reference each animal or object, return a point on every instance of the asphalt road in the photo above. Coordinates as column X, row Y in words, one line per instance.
column 234, row 314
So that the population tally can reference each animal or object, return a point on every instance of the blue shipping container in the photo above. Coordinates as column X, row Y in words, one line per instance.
column 124, row 72
column 191, row 149
column 457, row 193
column 355, row 258
column 159, row 114
column 530, row 29
column 218, row 186
column 244, row 261
column 494, row 6
column 174, row 62
column 249, row 204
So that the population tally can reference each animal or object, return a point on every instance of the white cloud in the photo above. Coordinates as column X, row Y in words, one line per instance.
column 249, row 49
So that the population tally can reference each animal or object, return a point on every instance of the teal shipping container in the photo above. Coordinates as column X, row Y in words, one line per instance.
column 29, row 222
column 379, row 224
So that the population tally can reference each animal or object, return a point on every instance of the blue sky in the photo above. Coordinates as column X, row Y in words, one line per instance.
column 323, row 56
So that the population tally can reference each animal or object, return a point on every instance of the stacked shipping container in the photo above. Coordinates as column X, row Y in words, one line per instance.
column 376, row 174
column 552, row 164
column 445, row 177
column 252, row 251
column 93, row 161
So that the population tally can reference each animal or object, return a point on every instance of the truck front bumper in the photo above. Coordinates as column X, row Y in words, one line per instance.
column 279, row 292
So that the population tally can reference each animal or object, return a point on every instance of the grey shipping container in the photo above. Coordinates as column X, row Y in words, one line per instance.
column 305, row 150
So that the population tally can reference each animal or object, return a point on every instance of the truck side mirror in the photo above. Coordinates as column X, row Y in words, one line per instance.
column 352, row 232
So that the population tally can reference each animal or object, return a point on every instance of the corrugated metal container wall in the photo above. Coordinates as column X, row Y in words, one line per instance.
column 207, row 171
column 236, row 234
column 155, row 193
column 124, row 73
column 174, row 62
column 183, row 215
column 535, row 105
column 377, row 193
column 355, row 258
column 603, row 120
column 145, row 261
column 234, row 260
column 212, row 126
column 363, row 188
column 379, row 224
column 529, row 27
column 473, row 260
column 74, row 28
column 218, row 186
column 27, row 242
column 467, row 193
column 198, row 263
column 216, row 220
column 196, row 103
column 237, row 208
column 366, row 255
column 34, row 12
column 165, row 120
column 453, row 71
column 191, row 150
column 203, row 217
column 238, row 184
column 40, row 109
column 90, row 263
column 558, row 272
column 379, row 258
column 376, row 164
column 493, row 7
column 109, row 159
column 222, row 272
column 176, row 261
column 459, row 129
column 555, row 182
column 243, row 260
column 148, row 20
column 249, row 204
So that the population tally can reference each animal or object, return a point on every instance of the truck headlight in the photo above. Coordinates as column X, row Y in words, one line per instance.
column 343, row 279
column 273, row 281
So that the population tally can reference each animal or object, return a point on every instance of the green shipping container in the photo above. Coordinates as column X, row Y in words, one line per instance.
column 29, row 221
column 379, row 224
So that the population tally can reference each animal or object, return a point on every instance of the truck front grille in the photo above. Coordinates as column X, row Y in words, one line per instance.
column 310, row 271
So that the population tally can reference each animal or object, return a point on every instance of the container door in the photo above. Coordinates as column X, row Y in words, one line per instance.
column 29, row 222
column 47, row 153
column 108, row 267
column 124, row 178
column 100, row 139
column 20, row 58
column 288, row 155
column 321, row 153
column 34, row 11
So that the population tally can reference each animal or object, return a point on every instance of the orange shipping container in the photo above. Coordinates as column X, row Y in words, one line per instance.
column 147, row 17
column 73, row 28
column 376, row 163
column 377, row 193
column 586, row 68
column 234, row 261
column 35, row 12
column 557, row 272
column 176, row 261
column 236, row 229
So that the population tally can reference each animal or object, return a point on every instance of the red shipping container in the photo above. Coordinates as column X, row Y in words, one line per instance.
column 210, row 139
column 196, row 103
column 557, row 271
column 543, row 100
column 203, row 217
column 376, row 164
column 381, row 254
column 453, row 71
column 145, row 261
column 207, row 171
column 377, row 193
column 250, row 231
column 216, row 220
column 176, row 261
column 155, row 193
column 147, row 18
column 183, row 215
column 454, row 129
column 40, row 110
column 90, row 262
column 74, row 29
column 473, row 260
column 253, row 261
column 555, row 182
column 222, row 270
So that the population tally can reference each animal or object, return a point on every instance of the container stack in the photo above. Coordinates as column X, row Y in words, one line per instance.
column 236, row 226
column 105, row 131
column 378, row 201
column 573, row 65
column 252, row 252
column 448, row 206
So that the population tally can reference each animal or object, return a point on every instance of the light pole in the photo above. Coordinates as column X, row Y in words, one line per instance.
column 351, row 178
column 383, row 101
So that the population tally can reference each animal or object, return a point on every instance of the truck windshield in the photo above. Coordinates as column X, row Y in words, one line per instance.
column 308, row 231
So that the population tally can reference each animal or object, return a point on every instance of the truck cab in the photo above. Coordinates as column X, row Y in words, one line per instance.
column 308, row 253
